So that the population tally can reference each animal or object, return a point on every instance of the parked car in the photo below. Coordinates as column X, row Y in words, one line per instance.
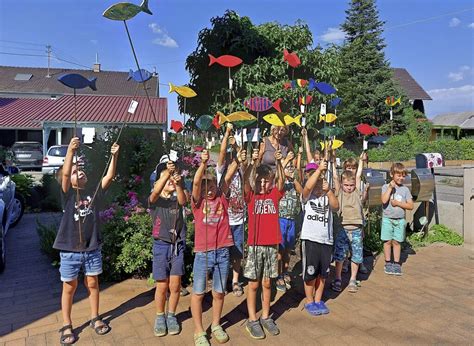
column 28, row 154
column 54, row 158
column 12, row 206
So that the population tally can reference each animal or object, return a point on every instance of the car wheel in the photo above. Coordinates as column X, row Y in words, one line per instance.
column 17, row 210
column 2, row 249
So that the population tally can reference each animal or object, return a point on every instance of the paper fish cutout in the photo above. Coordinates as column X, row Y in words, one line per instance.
column 335, row 102
column 288, row 119
column 204, row 122
column 292, row 59
column 139, row 78
column 176, row 126
column 336, row 143
column 275, row 119
column 77, row 81
column 243, row 123
column 329, row 117
column 366, row 129
column 225, row 60
column 261, row 104
column 215, row 122
column 287, row 85
column 323, row 88
column 390, row 101
column 305, row 100
column 182, row 90
column 331, row 131
column 126, row 10
column 236, row 116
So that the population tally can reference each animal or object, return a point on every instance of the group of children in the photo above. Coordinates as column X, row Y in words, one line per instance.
column 242, row 191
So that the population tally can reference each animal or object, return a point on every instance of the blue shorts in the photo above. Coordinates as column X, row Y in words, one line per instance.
column 217, row 267
column 288, row 233
column 349, row 241
column 72, row 262
column 237, row 250
column 393, row 229
column 167, row 259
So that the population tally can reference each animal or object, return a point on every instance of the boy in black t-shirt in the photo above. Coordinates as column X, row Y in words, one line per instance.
column 79, row 239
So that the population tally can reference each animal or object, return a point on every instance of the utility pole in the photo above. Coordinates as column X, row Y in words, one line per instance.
column 48, row 51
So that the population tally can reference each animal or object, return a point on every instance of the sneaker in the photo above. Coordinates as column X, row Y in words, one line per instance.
column 363, row 269
column 321, row 308
column 397, row 269
column 200, row 339
column 336, row 285
column 255, row 329
column 160, row 325
column 280, row 284
column 312, row 309
column 287, row 279
column 270, row 325
column 353, row 287
column 219, row 333
column 388, row 268
column 173, row 325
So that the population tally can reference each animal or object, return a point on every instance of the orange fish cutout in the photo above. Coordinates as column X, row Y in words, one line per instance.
column 176, row 126
column 292, row 59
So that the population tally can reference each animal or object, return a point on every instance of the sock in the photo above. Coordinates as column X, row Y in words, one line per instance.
column 170, row 314
column 160, row 314
column 388, row 262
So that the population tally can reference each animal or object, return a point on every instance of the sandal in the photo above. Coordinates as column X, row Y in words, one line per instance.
column 336, row 285
column 63, row 337
column 219, row 333
column 102, row 328
column 353, row 286
column 280, row 284
column 287, row 279
column 237, row 289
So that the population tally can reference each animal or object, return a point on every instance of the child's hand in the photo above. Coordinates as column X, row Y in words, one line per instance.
column 323, row 165
column 242, row 156
column 290, row 156
column 204, row 156
column 229, row 128
column 231, row 140
column 300, row 149
column 171, row 167
column 392, row 184
column 74, row 144
column 115, row 149
column 255, row 155
column 394, row 203
column 325, row 186
column 278, row 155
column 176, row 178
column 304, row 132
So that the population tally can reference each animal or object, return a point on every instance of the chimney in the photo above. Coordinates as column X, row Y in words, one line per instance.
column 155, row 74
column 96, row 66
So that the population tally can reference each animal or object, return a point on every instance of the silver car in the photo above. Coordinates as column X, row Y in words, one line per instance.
column 28, row 155
column 54, row 158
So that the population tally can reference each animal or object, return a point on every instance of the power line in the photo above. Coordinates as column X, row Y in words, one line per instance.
column 20, row 42
column 21, row 48
column 428, row 19
column 23, row 54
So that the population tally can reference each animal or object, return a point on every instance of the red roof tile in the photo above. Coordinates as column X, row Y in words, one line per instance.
column 19, row 113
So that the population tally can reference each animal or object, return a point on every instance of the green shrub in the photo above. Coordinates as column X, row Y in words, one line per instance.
column 443, row 234
column 51, row 193
column 372, row 241
column 24, row 184
column 47, row 235
column 345, row 154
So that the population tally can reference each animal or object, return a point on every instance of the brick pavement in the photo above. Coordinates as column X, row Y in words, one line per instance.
column 433, row 302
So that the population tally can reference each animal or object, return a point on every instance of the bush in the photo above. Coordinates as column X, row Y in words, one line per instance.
column 24, row 184
column 372, row 241
column 437, row 234
column 51, row 194
column 47, row 235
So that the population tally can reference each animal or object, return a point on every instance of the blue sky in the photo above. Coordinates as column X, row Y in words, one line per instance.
column 432, row 39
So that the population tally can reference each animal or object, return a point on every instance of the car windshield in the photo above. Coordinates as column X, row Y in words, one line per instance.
column 27, row 147
column 57, row 151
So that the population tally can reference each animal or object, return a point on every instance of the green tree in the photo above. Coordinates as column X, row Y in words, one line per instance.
column 366, row 78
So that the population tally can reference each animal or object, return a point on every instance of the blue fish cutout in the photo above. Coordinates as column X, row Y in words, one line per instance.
column 335, row 102
column 77, row 81
column 311, row 84
column 139, row 78
column 204, row 122
column 325, row 88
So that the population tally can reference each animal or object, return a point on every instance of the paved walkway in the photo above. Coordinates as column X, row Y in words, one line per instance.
column 433, row 302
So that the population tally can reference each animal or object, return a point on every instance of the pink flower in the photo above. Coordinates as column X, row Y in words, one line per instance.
column 126, row 218
column 138, row 179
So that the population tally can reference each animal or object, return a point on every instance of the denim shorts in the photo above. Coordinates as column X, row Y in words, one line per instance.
column 237, row 250
column 393, row 229
column 168, row 259
column 72, row 262
column 349, row 240
column 217, row 267
column 288, row 234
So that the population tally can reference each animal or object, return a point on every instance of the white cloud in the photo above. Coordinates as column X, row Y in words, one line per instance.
column 471, row 26
column 163, row 38
column 332, row 35
column 448, row 100
column 463, row 72
column 454, row 22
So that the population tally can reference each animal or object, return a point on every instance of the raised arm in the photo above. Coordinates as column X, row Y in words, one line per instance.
column 250, row 173
column 280, row 173
column 309, row 155
column 233, row 167
column 360, row 167
column 180, row 193
column 107, row 180
column 223, row 149
column 332, row 199
column 199, row 175
column 67, row 166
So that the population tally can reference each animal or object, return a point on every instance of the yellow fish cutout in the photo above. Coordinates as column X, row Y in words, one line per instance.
column 236, row 116
column 182, row 90
column 274, row 119
column 288, row 119
column 330, row 117
column 335, row 144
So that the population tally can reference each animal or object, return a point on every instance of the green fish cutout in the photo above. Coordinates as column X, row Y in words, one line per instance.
column 204, row 122
column 243, row 123
column 126, row 10
column 331, row 131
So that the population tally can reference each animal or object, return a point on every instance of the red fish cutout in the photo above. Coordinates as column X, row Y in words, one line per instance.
column 176, row 126
column 366, row 129
column 292, row 59
column 215, row 122
column 277, row 105
column 287, row 85
column 305, row 100
column 225, row 60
